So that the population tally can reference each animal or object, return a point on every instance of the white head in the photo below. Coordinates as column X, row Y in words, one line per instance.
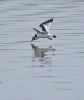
column 34, row 37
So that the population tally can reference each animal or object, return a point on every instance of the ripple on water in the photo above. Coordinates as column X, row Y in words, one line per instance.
column 42, row 69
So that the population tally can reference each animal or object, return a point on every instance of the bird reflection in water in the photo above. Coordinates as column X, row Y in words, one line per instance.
column 42, row 54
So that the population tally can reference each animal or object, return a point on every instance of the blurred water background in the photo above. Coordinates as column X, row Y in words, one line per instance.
column 44, row 69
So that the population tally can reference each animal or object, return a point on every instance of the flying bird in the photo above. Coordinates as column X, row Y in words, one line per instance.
column 44, row 32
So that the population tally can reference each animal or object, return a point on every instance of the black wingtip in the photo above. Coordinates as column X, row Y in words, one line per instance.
column 50, row 20
column 33, row 28
column 47, row 21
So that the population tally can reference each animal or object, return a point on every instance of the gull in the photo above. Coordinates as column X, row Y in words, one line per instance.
column 44, row 32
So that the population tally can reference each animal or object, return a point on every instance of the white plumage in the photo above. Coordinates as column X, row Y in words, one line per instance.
column 44, row 32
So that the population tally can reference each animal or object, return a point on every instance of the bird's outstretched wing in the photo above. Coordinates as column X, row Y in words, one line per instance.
column 45, row 25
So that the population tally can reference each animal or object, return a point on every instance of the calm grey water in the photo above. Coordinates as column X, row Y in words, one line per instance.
column 41, row 70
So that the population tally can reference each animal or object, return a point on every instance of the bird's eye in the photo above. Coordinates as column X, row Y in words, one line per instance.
column 35, row 35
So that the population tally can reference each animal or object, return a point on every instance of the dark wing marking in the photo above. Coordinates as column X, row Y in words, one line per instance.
column 45, row 25
column 38, row 32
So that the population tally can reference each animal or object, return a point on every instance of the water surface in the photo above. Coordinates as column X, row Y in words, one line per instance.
column 41, row 70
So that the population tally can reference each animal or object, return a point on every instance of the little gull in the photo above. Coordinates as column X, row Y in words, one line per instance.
column 44, row 32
